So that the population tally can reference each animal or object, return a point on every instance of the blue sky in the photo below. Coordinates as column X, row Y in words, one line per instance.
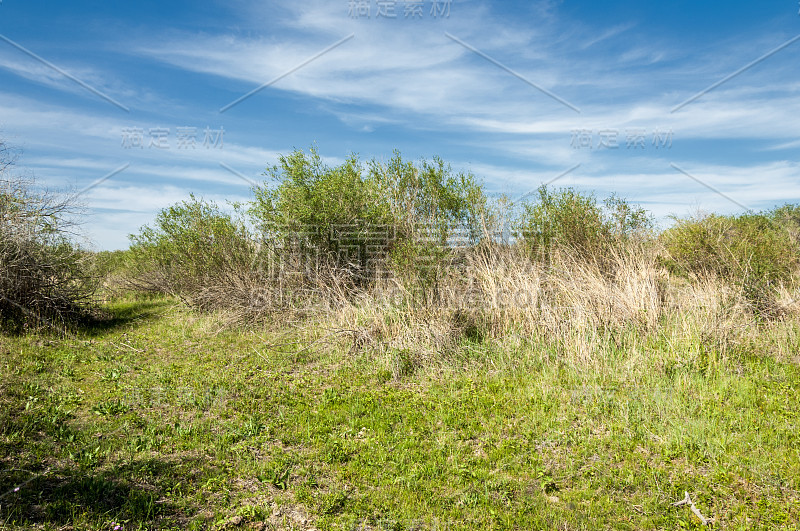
column 518, row 93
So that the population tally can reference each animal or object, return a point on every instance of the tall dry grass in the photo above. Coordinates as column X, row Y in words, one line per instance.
column 586, row 305
column 580, row 309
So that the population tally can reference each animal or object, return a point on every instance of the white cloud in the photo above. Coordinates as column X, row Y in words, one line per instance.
column 410, row 73
column 403, row 76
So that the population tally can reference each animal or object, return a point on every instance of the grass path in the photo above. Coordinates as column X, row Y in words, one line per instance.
column 161, row 420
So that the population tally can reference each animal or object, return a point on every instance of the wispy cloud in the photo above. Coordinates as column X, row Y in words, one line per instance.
column 403, row 83
column 419, row 78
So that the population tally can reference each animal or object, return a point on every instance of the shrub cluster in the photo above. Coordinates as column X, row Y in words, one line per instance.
column 313, row 230
column 363, row 221
column 335, row 232
column 571, row 221
column 756, row 252
column 191, row 244
column 317, row 234
column 44, row 278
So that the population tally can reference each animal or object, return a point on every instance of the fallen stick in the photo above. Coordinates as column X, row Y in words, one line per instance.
column 688, row 501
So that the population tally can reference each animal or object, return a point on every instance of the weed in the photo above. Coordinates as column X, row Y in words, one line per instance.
column 111, row 407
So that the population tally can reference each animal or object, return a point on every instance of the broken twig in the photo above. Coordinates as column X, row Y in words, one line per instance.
column 688, row 501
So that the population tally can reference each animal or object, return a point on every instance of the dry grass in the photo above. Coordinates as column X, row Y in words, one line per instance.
column 581, row 310
column 586, row 313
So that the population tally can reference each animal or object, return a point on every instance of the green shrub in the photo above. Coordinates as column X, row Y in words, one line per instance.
column 193, row 244
column 315, row 231
column 397, row 215
column 788, row 217
column 433, row 210
column 566, row 219
column 429, row 202
column 323, row 215
column 627, row 221
column 755, row 252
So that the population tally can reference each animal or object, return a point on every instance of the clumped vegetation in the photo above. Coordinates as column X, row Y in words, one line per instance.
column 413, row 260
column 396, row 216
column 366, row 346
column 196, row 252
column 757, row 253
column 44, row 277
column 569, row 220
column 422, row 241
column 313, row 235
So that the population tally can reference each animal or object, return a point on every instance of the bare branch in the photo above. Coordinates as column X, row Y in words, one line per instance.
column 688, row 501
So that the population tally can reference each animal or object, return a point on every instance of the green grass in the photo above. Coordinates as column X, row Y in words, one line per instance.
column 161, row 419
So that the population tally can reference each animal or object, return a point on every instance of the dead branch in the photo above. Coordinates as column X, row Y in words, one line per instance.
column 688, row 501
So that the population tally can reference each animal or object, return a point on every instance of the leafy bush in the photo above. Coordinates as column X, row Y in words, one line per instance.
column 321, row 232
column 322, row 214
column 432, row 209
column 43, row 275
column 754, row 251
column 397, row 215
column 569, row 220
column 788, row 217
column 429, row 202
column 193, row 245
column 627, row 221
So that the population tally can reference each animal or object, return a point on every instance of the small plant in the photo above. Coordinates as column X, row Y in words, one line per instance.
column 333, row 502
column 111, row 408
column 86, row 457
column 546, row 482
column 280, row 478
column 112, row 374
column 336, row 453
column 403, row 363
column 277, row 473
column 252, row 427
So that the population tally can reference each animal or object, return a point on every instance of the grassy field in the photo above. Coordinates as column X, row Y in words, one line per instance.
column 162, row 418
column 385, row 346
